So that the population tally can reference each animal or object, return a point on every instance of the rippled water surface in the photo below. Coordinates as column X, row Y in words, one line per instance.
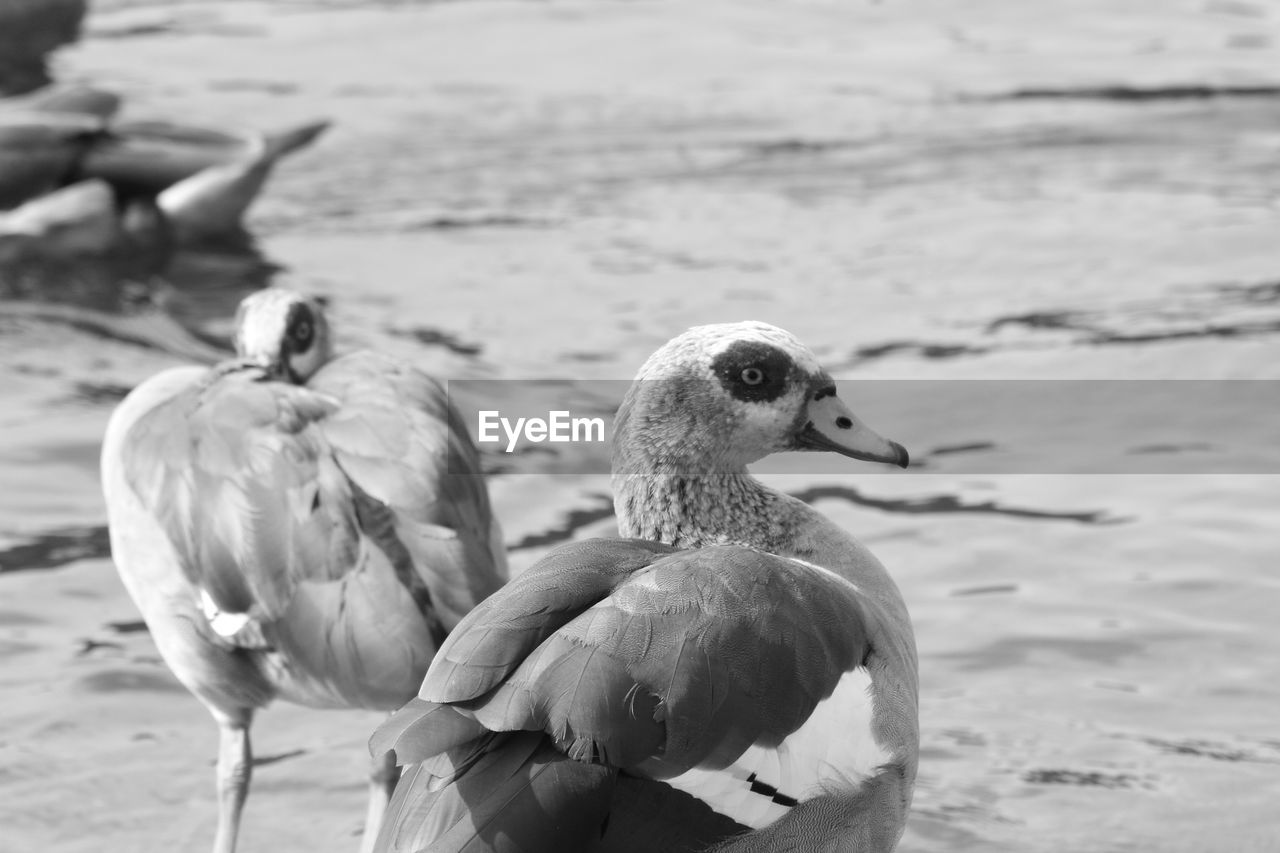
column 549, row 191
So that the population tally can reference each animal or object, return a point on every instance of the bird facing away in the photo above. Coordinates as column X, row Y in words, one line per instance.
column 739, row 676
column 296, row 525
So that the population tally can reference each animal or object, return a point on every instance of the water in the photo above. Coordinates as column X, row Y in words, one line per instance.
column 1098, row 667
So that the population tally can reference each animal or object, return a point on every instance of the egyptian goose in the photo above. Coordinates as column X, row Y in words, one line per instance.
column 297, row 526
column 739, row 676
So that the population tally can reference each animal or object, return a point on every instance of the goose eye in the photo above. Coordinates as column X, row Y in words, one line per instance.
column 752, row 371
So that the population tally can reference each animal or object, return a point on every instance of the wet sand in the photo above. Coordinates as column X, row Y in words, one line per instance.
column 550, row 190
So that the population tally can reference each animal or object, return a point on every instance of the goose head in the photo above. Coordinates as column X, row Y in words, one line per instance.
column 717, row 398
column 284, row 332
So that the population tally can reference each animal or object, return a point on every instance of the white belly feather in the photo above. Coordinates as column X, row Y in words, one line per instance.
column 834, row 749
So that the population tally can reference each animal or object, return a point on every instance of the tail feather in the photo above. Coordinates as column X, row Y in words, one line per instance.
column 525, row 796
column 517, row 793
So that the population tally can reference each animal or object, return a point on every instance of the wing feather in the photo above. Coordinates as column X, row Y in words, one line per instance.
column 208, row 464
column 401, row 442
column 496, row 637
column 327, row 515
column 421, row 730
column 511, row 799
column 659, row 663
column 630, row 653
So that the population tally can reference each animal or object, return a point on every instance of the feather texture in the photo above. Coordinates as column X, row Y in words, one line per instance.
column 632, row 655
column 346, row 520
column 524, row 797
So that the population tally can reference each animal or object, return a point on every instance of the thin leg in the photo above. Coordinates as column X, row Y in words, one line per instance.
column 235, row 766
column 383, row 775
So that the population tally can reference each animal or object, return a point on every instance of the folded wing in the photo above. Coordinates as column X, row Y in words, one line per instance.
column 309, row 522
column 630, row 655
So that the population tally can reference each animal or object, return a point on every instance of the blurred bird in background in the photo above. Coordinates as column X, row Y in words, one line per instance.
column 132, row 217
column 297, row 525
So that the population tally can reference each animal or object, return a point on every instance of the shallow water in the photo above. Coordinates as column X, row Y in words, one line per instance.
column 549, row 191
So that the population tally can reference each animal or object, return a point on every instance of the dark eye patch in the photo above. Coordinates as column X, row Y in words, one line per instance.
column 754, row 372
column 300, row 326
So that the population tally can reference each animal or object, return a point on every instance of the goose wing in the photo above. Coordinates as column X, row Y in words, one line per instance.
column 630, row 655
column 289, row 542
column 400, row 441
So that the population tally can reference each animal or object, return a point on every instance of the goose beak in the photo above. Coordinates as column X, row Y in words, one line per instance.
column 276, row 366
column 831, row 426
column 281, row 369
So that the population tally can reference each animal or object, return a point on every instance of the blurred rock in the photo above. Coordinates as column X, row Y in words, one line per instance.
column 29, row 31
column 77, row 241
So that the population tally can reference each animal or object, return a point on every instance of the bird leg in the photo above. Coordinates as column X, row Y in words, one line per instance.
column 383, row 775
column 235, row 766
